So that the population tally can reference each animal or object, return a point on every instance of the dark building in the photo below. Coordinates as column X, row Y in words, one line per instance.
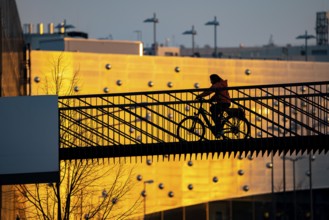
column 12, row 82
column 12, row 61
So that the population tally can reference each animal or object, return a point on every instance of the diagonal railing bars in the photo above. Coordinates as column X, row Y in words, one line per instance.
column 283, row 117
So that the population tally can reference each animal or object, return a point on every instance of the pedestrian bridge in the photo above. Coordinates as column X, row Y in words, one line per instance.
column 283, row 118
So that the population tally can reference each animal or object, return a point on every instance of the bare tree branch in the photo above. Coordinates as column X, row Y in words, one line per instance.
column 80, row 180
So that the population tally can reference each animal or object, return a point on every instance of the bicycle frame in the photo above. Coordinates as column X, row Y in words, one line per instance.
column 203, row 113
column 230, row 126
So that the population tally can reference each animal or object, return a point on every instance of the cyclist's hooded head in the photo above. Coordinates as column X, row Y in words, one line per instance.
column 215, row 78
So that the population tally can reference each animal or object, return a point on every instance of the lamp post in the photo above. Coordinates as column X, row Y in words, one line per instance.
column 62, row 27
column 306, row 37
column 270, row 165
column 191, row 32
column 144, row 193
column 215, row 23
column 293, row 160
column 309, row 174
column 139, row 34
column 153, row 20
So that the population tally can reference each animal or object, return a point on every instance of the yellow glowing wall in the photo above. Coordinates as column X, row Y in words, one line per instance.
column 136, row 72
column 128, row 73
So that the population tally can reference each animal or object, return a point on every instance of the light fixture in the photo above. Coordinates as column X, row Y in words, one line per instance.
column 306, row 37
column 161, row 186
column 108, row 66
column 119, row 82
column 190, row 163
column 303, row 88
column 177, row 69
column 106, row 90
column 190, row 186
column 247, row 72
column 171, row 194
column 37, row 79
column 215, row 179
column 245, row 188
column 144, row 193
column 153, row 20
column 150, row 84
column 139, row 177
column 269, row 165
column 240, row 172
column 196, row 85
column 214, row 23
column 191, row 32
column 148, row 116
column 170, row 84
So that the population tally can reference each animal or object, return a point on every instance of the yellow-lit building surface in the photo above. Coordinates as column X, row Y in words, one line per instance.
column 213, row 188
column 199, row 182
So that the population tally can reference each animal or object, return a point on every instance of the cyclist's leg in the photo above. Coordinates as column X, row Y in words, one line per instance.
column 222, row 107
column 215, row 110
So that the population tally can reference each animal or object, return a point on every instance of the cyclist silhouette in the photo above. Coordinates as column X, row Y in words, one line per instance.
column 220, row 101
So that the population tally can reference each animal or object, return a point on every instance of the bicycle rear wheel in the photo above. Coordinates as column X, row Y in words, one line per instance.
column 236, row 128
column 191, row 129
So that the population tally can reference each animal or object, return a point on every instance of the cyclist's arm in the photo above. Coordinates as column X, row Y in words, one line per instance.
column 206, row 93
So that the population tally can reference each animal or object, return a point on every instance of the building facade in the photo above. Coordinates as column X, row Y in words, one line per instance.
column 223, row 187
column 219, row 188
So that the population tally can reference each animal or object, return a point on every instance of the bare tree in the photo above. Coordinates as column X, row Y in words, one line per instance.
column 83, row 194
column 62, row 78
column 87, row 189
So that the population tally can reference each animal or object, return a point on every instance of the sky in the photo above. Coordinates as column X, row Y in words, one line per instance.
column 242, row 22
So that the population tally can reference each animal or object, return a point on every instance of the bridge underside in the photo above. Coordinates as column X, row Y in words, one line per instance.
column 187, row 150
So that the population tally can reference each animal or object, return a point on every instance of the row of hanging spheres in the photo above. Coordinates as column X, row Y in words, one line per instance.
column 150, row 83
column 161, row 186
column 169, row 84
column 177, row 69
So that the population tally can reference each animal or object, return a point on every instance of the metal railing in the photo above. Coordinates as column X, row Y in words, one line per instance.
column 273, row 111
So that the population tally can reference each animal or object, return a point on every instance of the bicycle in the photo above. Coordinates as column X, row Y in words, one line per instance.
column 234, row 125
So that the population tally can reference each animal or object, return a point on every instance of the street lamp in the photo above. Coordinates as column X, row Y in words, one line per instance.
column 306, row 37
column 191, row 32
column 62, row 27
column 293, row 160
column 215, row 23
column 144, row 193
column 153, row 20
column 311, row 159
column 139, row 34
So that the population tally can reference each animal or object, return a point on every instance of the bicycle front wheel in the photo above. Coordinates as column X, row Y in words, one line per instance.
column 236, row 128
column 190, row 129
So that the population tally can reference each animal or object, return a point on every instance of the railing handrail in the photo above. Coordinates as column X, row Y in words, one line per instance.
column 277, row 111
column 197, row 90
